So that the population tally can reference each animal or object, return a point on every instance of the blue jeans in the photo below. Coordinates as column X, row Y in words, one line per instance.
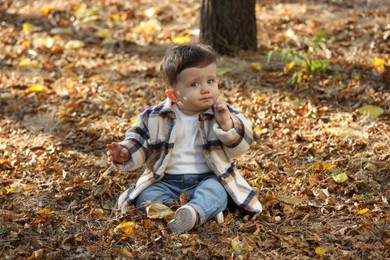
column 208, row 196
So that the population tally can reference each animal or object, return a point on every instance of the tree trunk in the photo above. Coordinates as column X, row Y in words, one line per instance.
column 228, row 25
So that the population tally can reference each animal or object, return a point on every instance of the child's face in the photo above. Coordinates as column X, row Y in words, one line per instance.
column 196, row 89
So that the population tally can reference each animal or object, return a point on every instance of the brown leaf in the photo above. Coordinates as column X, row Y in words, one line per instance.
column 288, row 199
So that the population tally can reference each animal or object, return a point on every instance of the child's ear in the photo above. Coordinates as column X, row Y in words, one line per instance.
column 171, row 94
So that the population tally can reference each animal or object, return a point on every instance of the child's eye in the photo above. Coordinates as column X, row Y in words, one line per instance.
column 195, row 84
column 210, row 81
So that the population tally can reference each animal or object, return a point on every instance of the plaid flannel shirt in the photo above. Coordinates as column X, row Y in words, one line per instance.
column 151, row 143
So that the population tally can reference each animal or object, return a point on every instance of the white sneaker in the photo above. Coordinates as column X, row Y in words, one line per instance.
column 219, row 218
column 184, row 220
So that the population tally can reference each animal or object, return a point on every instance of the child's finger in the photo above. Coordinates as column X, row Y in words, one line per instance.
column 221, row 106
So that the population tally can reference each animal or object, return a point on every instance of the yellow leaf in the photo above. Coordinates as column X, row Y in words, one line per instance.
column 134, row 120
column 290, row 65
column 362, row 211
column 258, row 99
column 379, row 65
column 27, row 63
column 152, row 25
column 83, row 13
column 323, row 166
column 257, row 232
column 258, row 8
column 256, row 66
column 371, row 111
column 35, row 88
column 47, row 42
column 320, row 251
column 235, row 243
column 126, row 228
column 340, row 178
column 46, row 11
column 47, row 210
column 260, row 131
column 104, row 33
column 377, row 62
column 30, row 28
column 95, row 78
column 115, row 17
column 9, row 190
column 125, row 225
column 259, row 179
column 181, row 40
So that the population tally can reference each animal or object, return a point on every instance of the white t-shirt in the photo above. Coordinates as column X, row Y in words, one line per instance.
column 187, row 156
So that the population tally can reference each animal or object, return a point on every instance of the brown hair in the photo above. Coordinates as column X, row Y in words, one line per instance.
column 181, row 57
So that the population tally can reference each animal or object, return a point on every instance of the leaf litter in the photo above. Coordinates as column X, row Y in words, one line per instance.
column 75, row 75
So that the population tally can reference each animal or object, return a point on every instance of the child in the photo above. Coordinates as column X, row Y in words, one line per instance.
column 187, row 144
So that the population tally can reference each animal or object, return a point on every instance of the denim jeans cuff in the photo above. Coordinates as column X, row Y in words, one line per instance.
column 201, row 214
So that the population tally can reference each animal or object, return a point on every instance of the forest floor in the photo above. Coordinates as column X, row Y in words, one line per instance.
column 75, row 74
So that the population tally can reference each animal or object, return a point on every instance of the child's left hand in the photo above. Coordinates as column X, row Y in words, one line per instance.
column 222, row 115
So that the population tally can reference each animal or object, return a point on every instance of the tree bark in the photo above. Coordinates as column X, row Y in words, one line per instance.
column 228, row 25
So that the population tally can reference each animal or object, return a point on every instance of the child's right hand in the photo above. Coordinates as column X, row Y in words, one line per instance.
column 117, row 153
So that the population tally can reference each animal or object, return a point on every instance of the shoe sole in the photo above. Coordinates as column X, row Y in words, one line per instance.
column 184, row 221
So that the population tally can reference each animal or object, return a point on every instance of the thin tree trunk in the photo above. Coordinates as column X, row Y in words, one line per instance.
column 228, row 25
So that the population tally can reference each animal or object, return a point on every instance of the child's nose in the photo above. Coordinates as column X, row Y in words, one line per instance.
column 205, row 88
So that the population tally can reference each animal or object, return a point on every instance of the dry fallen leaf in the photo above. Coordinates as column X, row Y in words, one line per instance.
column 240, row 246
column 323, row 166
column 47, row 210
column 159, row 211
column 288, row 199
